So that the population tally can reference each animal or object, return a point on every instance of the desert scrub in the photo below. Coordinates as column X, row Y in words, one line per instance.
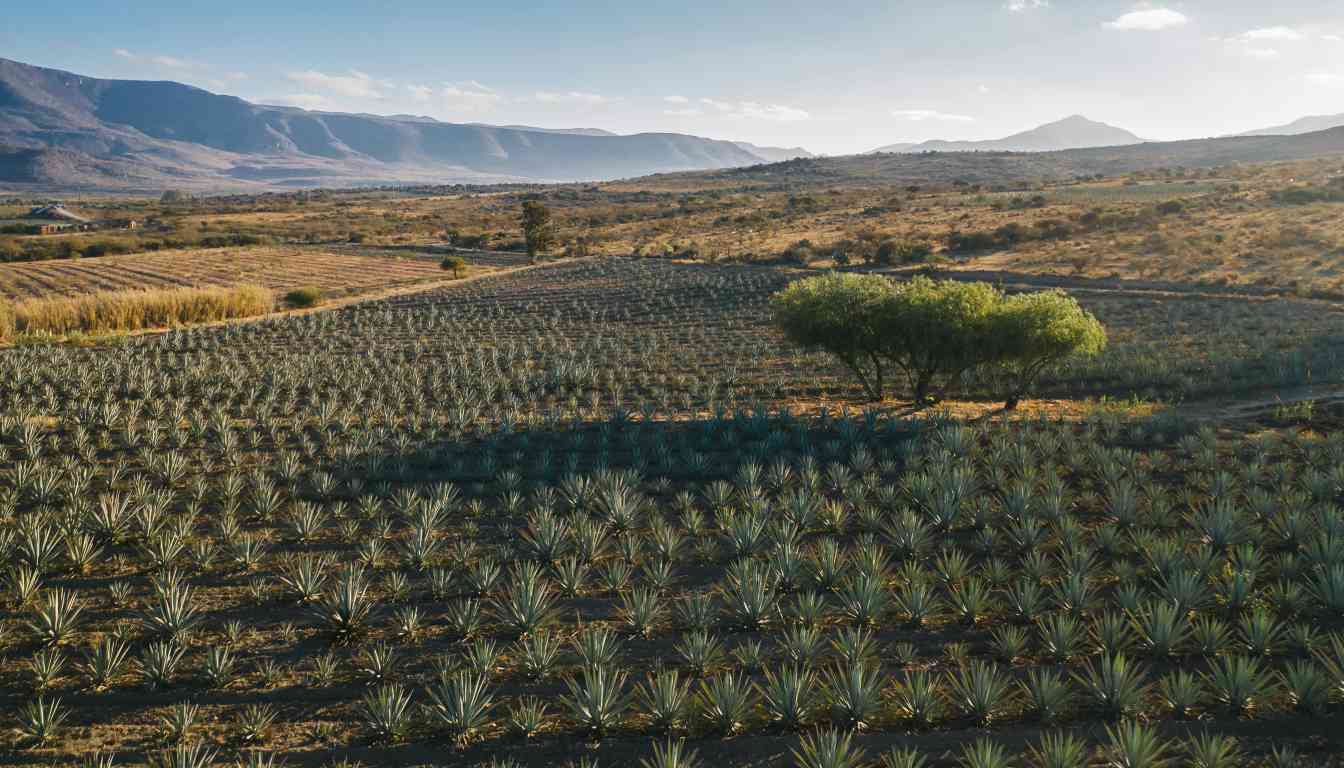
column 134, row 310
column 307, row 296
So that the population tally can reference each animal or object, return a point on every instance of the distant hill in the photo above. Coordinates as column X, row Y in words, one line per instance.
column 774, row 154
column 566, row 131
column 1073, row 132
column 63, row 130
column 1302, row 125
column 1017, row 168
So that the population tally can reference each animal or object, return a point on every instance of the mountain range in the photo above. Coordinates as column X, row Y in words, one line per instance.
column 1074, row 132
column 59, row 129
column 1302, row 125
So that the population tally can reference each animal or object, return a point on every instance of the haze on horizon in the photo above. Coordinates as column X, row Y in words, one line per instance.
column 859, row 76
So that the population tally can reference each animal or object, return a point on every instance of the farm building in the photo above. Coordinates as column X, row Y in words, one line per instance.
column 57, row 212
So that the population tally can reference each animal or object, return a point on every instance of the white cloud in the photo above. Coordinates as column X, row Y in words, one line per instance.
column 923, row 115
column 470, row 96
column 688, row 112
column 572, row 97
column 1264, row 54
column 1281, row 34
column 1019, row 6
column 1332, row 38
column 356, row 84
column 754, row 110
column 982, row 89
column 778, row 112
column 420, row 93
column 676, row 100
column 1328, row 79
column 159, row 60
column 1149, row 20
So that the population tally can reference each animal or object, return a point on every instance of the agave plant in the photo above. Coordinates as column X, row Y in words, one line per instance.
column 1238, row 682
column 828, row 749
column 56, row 616
column 670, row 754
column 664, row 697
column 528, row 603
column 195, row 755
column 853, row 692
column 461, row 704
column 1134, row 745
column 345, row 608
column 1114, row 685
column 980, row 690
column 105, row 662
column 40, row 719
column 1048, row 694
column 983, row 753
column 1059, row 750
column 789, row 696
column 527, row 717
column 179, row 721
column 919, row 698
column 725, row 702
column 1212, row 750
column 597, row 700
column 254, row 721
column 386, row 711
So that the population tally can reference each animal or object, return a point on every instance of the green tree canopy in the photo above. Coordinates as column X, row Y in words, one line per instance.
column 841, row 314
column 934, row 331
column 1034, row 330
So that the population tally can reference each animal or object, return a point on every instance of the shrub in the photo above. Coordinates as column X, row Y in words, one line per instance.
column 134, row 310
column 800, row 252
column 454, row 264
column 893, row 251
column 307, row 296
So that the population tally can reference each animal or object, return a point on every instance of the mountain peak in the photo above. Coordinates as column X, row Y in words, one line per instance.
column 1072, row 132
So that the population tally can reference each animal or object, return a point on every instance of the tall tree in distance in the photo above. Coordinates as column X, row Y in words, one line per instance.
column 537, row 229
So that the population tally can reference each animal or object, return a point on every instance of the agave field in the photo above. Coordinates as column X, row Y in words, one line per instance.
column 596, row 513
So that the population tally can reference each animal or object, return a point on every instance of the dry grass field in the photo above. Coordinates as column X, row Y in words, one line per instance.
column 280, row 268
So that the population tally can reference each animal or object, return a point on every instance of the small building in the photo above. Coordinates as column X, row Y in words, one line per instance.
column 59, row 213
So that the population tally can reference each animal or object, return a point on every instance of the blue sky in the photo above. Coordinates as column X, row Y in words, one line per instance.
column 842, row 76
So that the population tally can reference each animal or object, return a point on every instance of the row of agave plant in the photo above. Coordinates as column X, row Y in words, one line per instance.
column 577, row 338
column 1059, row 576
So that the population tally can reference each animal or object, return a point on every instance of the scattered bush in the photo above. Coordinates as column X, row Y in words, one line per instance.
column 801, row 253
column 893, row 251
column 134, row 310
column 307, row 296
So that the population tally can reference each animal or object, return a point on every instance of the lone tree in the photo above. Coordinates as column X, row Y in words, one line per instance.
column 454, row 264
column 537, row 229
column 934, row 331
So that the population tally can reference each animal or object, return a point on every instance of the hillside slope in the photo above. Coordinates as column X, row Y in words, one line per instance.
column 62, row 129
column 1070, row 133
